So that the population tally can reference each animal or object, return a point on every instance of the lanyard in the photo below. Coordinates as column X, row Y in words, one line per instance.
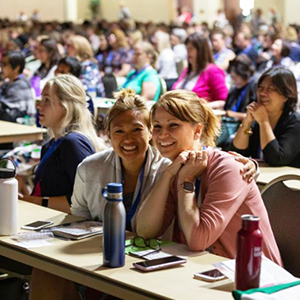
column 47, row 155
column 240, row 99
column 134, row 75
column 137, row 200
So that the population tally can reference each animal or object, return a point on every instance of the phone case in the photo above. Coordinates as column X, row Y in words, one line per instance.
column 158, row 267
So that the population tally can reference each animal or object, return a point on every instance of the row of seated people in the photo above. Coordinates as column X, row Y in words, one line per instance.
column 184, row 130
column 201, row 76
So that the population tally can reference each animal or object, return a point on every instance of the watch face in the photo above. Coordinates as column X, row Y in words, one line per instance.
column 188, row 186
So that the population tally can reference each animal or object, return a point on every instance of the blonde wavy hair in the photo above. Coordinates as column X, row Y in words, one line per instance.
column 188, row 107
column 77, row 118
column 127, row 99
column 83, row 47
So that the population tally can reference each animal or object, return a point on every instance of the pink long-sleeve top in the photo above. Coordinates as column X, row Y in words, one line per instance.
column 224, row 197
column 210, row 85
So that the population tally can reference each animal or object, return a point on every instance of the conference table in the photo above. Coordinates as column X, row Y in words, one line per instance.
column 81, row 262
column 13, row 132
column 267, row 174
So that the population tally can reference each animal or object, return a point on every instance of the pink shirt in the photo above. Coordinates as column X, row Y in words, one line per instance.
column 210, row 85
column 225, row 198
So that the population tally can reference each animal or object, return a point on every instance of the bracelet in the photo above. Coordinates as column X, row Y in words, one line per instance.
column 247, row 131
column 45, row 201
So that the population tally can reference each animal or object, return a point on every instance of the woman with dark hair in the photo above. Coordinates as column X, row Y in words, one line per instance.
column 273, row 120
column 280, row 55
column 202, row 76
column 240, row 95
column 49, row 57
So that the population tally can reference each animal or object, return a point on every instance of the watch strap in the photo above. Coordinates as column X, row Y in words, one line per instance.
column 45, row 201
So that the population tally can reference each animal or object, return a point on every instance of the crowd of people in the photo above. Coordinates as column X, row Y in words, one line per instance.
column 167, row 159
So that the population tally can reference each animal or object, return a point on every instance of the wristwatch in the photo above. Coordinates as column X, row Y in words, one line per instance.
column 45, row 201
column 188, row 187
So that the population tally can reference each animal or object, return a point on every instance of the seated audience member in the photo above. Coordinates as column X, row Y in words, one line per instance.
column 102, row 54
column 222, row 54
column 71, row 65
column 273, row 120
column 144, row 79
column 240, row 95
column 280, row 55
column 166, row 63
column 119, row 57
column 242, row 92
column 49, row 57
column 63, row 111
column 201, row 190
column 243, row 44
column 292, row 38
column 16, row 98
column 202, row 76
column 79, row 47
column 177, row 39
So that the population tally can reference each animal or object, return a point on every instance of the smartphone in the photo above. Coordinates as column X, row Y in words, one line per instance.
column 160, row 263
column 211, row 275
column 37, row 225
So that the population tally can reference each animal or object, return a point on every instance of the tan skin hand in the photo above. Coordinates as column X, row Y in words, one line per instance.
column 194, row 167
column 180, row 160
column 248, row 171
column 258, row 112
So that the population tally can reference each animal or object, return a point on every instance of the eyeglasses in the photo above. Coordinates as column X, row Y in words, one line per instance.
column 142, row 244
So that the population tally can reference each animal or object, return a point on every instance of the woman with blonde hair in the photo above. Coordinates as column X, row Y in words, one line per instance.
column 166, row 62
column 202, row 189
column 78, row 46
column 72, row 138
column 144, row 79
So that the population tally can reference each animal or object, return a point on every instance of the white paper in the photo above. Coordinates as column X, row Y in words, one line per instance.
column 270, row 274
column 33, row 244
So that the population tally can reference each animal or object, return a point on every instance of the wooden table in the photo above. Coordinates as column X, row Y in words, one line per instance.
column 81, row 261
column 14, row 132
column 268, row 173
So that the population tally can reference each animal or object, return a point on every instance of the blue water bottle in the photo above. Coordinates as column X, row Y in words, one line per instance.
column 114, row 222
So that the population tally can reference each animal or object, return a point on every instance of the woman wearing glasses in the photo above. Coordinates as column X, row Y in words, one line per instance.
column 273, row 120
column 202, row 190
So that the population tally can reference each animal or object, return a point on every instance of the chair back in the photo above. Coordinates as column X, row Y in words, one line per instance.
column 283, row 206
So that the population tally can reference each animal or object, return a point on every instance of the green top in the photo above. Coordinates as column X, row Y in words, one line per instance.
column 136, row 79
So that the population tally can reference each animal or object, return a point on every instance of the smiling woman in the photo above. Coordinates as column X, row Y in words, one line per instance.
column 273, row 121
column 131, row 161
column 202, row 191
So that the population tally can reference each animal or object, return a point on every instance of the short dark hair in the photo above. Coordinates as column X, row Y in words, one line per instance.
column 73, row 63
column 242, row 66
column 284, row 81
column 204, row 53
column 15, row 59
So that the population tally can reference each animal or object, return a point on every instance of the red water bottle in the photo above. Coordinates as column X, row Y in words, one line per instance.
column 248, row 257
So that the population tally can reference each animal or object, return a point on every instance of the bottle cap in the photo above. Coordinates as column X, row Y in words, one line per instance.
column 114, row 188
column 250, row 218
column 7, row 173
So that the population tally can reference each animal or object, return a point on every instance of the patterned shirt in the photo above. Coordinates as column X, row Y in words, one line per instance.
column 91, row 78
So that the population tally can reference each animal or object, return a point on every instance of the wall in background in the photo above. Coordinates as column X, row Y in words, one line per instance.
column 49, row 10
column 142, row 10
